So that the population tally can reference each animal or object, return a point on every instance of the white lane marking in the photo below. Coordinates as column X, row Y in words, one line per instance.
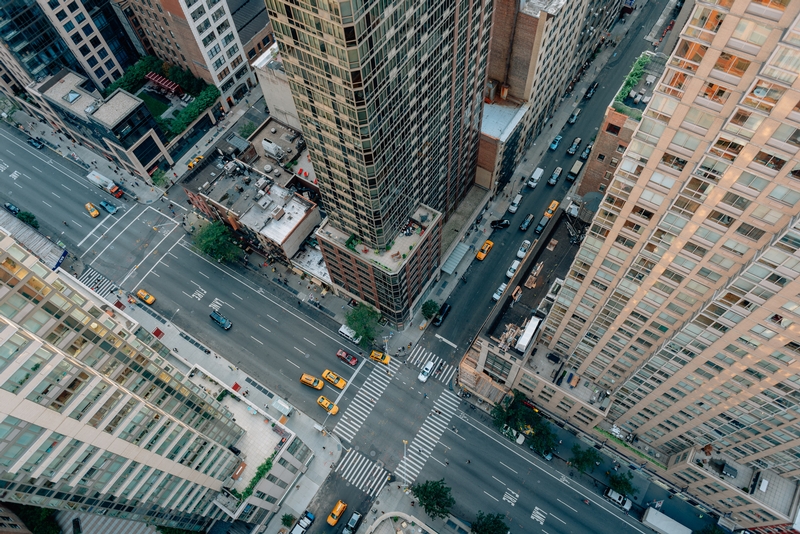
column 300, row 351
column 447, row 341
column 500, row 481
column 265, row 328
column 54, row 194
column 273, row 318
column 504, row 465
column 35, row 169
column 203, row 274
column 7, row 150
column 290, row 361
column 257, row 341
column 492, row 496
column 65, row 187
column 17, row 184
column 141, row 280
column 568, row 506
column 46, row 204
column 237, row 296
column 556, row 517
column 310, row 341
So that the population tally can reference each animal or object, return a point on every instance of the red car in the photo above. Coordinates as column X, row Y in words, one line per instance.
column 346, row 357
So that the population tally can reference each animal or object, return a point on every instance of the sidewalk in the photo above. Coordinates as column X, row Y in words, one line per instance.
column 191, row 357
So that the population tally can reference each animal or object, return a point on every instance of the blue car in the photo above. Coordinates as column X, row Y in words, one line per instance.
column 110, row 208
column 556, row 141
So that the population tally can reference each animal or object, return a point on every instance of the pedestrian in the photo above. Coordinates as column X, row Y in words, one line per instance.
column 426, row 395
column 323, row 447
column 446, row 463
column 559, row 442
column 469, row 462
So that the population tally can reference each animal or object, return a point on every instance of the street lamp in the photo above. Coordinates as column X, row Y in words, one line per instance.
column 405, row 465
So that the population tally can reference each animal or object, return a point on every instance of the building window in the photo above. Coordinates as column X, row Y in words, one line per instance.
column 232, row 50
column 61, row 15
column 80, row 17
column 69, row 26
column 94, row 41
column 99, row 72
column 732, row 65
column 208, row 39
column 223, row 73
column 214, row 51
column 73, row 7
column 613, row 129
column 92, row 61
column 763, row 96
column 77, row 37
column 218, row 14
column 53, row 4
column 87, row 30
column 102, row 53
column 219, row 63
column 688, row 55
column 227, row 39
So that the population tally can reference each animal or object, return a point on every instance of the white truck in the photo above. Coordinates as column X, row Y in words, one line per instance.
column 272, row 149
column 663, row 524
column 105, row 184
column 618, row 499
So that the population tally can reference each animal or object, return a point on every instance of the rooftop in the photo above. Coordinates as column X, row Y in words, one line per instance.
column 249, row 18
column 637, row 89
column 287, row 139
column 118, row 106
column 392, row 259
column 500, row 119
column 270, row 59
column 535, row 7
column 274, row 210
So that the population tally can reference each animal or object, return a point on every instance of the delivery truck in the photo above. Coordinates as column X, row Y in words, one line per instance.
column 663, row 524
column 105, row 184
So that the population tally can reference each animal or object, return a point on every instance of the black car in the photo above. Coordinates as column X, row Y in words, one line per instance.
column 500, row 223
column 221, row 320
column 12, row 208
column 527, row 222
column 35, row 143
column 352, row 525
column 591, row 91
column 443, row 311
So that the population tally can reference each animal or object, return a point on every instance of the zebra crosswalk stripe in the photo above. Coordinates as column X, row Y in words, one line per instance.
column 363, row 473
column 97, row 282
column 428, row 436
column 364, row 401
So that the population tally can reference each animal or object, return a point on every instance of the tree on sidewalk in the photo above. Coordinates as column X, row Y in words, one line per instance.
column 429, row 308
column 584, row 459
column 364, row 321
column 489, row 524
column 434, row 497
column 287, row 520
column 28, row 218
column 543, row 438
column 622, row 483
column 216, row 240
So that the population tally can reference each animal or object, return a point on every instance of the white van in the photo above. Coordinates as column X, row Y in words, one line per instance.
column 535, row 177
column 618, row 499
column 515, row 204
column 349, row 334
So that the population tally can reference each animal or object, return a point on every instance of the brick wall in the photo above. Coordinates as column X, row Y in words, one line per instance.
column 616, row 131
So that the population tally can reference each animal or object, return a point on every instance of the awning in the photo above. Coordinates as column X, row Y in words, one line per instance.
column 455, row 258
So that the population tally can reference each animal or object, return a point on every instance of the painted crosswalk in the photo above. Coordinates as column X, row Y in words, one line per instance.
column 365, row 474
column 442, row 371
column 97, row 282
column 421, row 447
column 362, row 404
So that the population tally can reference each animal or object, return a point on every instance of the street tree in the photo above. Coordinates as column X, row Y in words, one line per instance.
column 711, row 529
column 287, row 520
column 247, row 129
column 543, row 438
column 28, row 218
column 489, row 524
column 622, row 483
column 584, row 459
column 159, row 177
column 434, row 497
column 217, row 241
column 364, row 321
column 429, row 308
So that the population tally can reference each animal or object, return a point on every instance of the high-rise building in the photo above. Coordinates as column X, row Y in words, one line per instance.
column 389, row 96
column 213, row 39
column 92, row 417
column 682, row 304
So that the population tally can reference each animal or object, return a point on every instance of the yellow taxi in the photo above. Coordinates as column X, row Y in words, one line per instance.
column 380, row 357
column 487, row 246
column 145, row 296
column 327, row 405
column 194, row 162
column 311, row 381
column 334, row 379
column 92, row 210
column 336, row 513
column 551, row 209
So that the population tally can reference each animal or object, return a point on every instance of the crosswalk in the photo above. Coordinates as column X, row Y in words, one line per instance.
column 362, row 404
column 421, row 447
column 365, row 474
column 97, row 282
column 420, row 356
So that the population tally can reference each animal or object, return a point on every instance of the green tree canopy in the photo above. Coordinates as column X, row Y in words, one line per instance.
column 28, row 218
column 429, row 308
column 584, row 459
column 489, row 524
column 186, row 80
column 216, row 240
column 621, row 483
column 134, row 77
column 543, row 438
column 434, row 496
column 513, row 412
column 364, row 322
column 287, row 520
column 187, row 115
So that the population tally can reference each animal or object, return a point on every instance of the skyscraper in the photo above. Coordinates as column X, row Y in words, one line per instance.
column 390, row 97
column 682, row 302
column 92, row 417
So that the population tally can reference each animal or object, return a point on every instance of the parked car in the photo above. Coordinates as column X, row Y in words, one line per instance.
column 500, row 223
column 487, row 246
column 109, row 207
column 35, row 143
column 535, row 177
column 513, row 269
column 576, row 143
column 591, row 91
column 146, row 297
column 499, row 293
column 554, row 178
column 352, row 525
column 346, row 357
column 555, row 143
column 523, row 249
column 426, row 372
column 527, row 222
column 551, row 209
column 12, row 208
column 443, row 311
column 586, row 151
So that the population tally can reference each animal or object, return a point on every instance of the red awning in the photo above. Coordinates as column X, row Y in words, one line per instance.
column 164, row 83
